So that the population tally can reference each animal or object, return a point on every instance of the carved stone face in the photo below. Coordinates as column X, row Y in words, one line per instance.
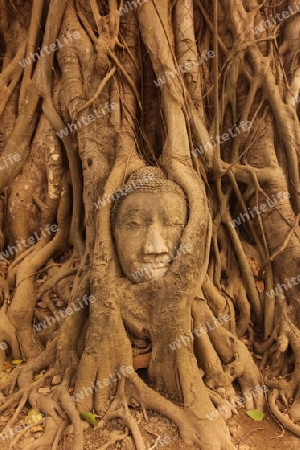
column 148, row 227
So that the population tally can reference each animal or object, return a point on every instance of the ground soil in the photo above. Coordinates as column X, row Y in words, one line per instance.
column 246, row 434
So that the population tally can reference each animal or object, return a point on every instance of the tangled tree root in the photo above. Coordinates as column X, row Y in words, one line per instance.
column 284, row 419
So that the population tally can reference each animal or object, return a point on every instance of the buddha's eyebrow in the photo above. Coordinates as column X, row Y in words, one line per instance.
column 133, row 211
column 174, row 211
column 169, row 212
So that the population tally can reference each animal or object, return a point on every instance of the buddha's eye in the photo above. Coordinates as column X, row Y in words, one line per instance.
column 174, row 223
column 134, row 223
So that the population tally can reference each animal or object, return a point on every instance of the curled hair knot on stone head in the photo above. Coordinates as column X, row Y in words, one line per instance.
column 146, row 179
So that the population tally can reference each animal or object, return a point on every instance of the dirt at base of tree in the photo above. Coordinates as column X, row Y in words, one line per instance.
column 246, row 434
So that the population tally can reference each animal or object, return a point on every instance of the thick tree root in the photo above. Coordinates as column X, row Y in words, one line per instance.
column 119, row 409
column 57, row 416
column 22, row 433
column 116, row 437
column 201, row 432
column 286, row 421
column 46, row 441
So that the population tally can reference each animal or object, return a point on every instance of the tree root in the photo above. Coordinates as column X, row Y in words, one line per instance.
column 273, row 396
column 13, row 268
column 201, row 432
column 71, row 411
column 59, row 435
column 22, row 433
column 192, row 430
column 12, row 401
column 117, row 437
column 17, row 412
column 49, row 406
column 219, row 403
column 119, row 409
column 46, row 441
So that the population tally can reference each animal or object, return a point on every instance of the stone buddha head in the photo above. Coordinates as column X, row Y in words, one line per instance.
column 147, row 224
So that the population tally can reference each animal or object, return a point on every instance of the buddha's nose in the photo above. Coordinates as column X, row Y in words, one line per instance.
column 155, row 242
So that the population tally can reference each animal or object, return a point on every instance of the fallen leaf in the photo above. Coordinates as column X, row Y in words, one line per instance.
column 255, row 266
column 260, row 286
column 89, row 417
column 7, row 366
column 44, row 390
column 255, row 414
column 39, row 376
column 33, row 417
column 37, row 428
column 16, row 362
